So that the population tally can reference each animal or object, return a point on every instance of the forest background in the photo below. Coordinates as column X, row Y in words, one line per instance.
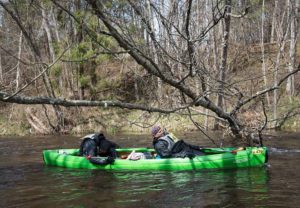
column 80, row 65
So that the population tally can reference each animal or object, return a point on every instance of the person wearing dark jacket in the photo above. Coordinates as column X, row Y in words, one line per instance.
column 166, row 145
column 94, row 145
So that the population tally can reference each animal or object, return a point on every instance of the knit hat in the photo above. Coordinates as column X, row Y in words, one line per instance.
column 155, row 129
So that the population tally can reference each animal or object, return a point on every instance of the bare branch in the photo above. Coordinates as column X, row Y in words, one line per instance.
column 260, row 93
column 39, row 75
column 201, row 129
column 95, row 56
column 243, row 14
column 24, row 31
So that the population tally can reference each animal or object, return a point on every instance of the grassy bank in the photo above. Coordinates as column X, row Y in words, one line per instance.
column 25, row 120
column 31, row 120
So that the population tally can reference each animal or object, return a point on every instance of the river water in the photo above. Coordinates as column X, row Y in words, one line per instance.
column 26, row 182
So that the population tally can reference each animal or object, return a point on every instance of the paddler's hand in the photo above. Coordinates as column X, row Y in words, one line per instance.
column 110, row 160
column 88, row 157
column 200, row 148
column 190, row 155
column 237, row 150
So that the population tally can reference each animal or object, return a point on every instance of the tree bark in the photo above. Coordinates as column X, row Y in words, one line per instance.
column 281, row 43
column 273, row 26
column 1, row 70
column 225, row 46
column 263, row 51
column 18, row 61
column 48, row 34
column 290, row 86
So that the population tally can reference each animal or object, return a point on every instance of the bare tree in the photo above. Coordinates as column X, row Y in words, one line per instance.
column 174, row 51
column 38, row 59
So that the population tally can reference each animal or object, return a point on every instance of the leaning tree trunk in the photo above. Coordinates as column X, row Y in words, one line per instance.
column 157, row 70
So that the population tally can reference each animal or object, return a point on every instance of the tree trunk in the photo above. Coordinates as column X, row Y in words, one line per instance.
column 18, row 61
column 1, row 71
column 222, row 72
column 58, row 111
column 290, row 86
column 273, row 26
column 263, row 51
column 150, row 18
column 136, row 87
column 38, row 59
column 48, row 34
column 281, row 42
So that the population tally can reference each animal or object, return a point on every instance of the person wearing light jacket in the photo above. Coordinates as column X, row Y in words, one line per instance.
column 167, row 145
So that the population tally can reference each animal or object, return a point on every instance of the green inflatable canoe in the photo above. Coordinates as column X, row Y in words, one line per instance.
column 215, row 158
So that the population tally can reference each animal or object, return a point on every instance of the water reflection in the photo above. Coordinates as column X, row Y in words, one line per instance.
column 158, row 189
column 26, row 182
column 195, row 188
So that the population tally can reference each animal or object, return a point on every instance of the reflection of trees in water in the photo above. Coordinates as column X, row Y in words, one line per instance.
column 95, row 188
column 241, row 187
column 80, row 187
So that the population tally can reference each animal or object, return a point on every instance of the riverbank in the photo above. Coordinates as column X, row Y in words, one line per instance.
column 24, row 120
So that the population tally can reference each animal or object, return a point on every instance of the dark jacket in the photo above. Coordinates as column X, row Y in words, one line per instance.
column 94, row 145
column 163, row 146
column 179, row 149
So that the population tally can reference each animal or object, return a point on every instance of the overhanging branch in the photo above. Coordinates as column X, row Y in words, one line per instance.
column 35, row 100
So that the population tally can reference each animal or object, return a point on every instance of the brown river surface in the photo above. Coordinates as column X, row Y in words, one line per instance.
column 26, row 182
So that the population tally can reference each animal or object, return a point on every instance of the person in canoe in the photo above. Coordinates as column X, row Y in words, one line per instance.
column 167, row 145
column 94, row 145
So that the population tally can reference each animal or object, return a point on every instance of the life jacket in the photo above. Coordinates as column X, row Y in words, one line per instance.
column 170, row 139
column 95, row 137
column 87, row 137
